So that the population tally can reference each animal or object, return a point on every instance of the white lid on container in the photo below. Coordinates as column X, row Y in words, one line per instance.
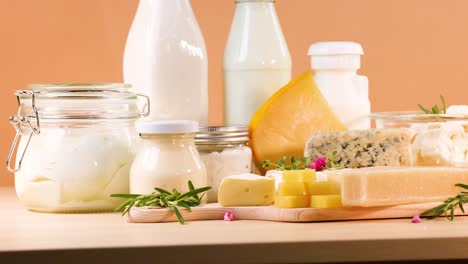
column 336, row 55
column 167, row 127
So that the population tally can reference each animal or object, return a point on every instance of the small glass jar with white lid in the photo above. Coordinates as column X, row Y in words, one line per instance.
column 167, row 158
column 75, row 145
column 225, row 152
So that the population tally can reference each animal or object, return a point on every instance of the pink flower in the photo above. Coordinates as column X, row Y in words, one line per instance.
column 228, row 216
column 416, row 220
column 319, row 163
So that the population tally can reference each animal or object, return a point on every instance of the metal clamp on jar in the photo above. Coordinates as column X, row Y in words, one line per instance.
column 74, row 145
column 225, row 152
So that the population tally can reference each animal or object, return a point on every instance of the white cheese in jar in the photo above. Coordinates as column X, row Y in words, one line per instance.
column 225, row 152
column 227, row 162
column 65, row 171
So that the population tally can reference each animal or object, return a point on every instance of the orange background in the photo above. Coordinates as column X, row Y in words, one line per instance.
column 415, row 49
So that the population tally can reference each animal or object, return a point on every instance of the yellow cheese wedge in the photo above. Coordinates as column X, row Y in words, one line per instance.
column 285, row 122
column 382, row 186
column 246, row 190
column 325, row 201
column 292, row 201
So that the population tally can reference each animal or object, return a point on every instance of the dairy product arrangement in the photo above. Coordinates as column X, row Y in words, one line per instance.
column 310, row 135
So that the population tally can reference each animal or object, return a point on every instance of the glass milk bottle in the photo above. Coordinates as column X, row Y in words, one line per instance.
column 335, row 66
column 256, row 60
column 165, row 58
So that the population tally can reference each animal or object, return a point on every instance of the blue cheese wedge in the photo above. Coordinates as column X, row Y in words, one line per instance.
column 364, row 148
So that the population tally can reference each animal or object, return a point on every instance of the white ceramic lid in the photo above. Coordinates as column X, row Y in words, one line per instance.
column 335, row 48
column 167, row 127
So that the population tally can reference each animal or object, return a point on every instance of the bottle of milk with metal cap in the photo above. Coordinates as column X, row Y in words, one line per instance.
column 335, row 66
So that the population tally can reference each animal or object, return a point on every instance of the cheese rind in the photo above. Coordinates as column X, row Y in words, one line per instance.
column 384, row 186
column 364, row 148
column 246, row 190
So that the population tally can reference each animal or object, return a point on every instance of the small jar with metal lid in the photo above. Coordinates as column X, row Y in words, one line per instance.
column 167, row 158
column 75, row 145
column 225, row 152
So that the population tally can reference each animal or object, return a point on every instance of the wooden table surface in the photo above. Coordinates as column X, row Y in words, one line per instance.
column 75, row 238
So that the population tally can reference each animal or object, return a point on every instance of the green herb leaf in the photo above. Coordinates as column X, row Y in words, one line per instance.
column 435, row 109
column 461, row 185
column 128, row 196
column 194, row 192
column 162, row 191
column 444, row 105
column 178, row 214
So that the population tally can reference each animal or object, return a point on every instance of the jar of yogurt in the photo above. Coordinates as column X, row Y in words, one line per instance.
column 225, row 152
column 168, row 157
column 75, row 145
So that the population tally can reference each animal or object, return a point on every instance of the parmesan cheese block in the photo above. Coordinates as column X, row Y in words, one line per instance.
column 364, row 148
column 383, row 186
column 246, row 190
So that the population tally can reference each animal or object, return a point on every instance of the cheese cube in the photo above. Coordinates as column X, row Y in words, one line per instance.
column 246, row 190
column 292, row 201
column 299, row 176
column 293, row 188
column 382, row 186
column 325, row 201
column 323, row 188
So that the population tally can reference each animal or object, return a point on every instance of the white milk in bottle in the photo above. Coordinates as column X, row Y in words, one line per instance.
column 256, row 60
column 165, row 58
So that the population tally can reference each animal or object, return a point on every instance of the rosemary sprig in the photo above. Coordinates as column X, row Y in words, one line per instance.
column 447, row 208
column 435, row 109
column 164, row 199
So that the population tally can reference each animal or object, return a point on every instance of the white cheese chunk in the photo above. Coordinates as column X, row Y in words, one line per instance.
column 439, row 144
column 457, row 110
column 384, row 186
column 246, row 190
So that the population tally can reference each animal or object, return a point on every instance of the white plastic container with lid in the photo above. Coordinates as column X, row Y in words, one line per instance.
column 335, row 66
column 225, row 152
column 165, row 58
column 256, row 60
column 75, row 146
column 168, row 157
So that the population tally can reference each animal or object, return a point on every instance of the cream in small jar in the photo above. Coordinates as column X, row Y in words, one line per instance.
column 168, row 157
column 225, row 152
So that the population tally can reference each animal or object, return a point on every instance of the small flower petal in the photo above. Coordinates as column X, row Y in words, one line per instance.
column 228, row 216
column 416, row 220
column 319, row 163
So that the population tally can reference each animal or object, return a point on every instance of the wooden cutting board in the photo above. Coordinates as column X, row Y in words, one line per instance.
column 271, row 213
